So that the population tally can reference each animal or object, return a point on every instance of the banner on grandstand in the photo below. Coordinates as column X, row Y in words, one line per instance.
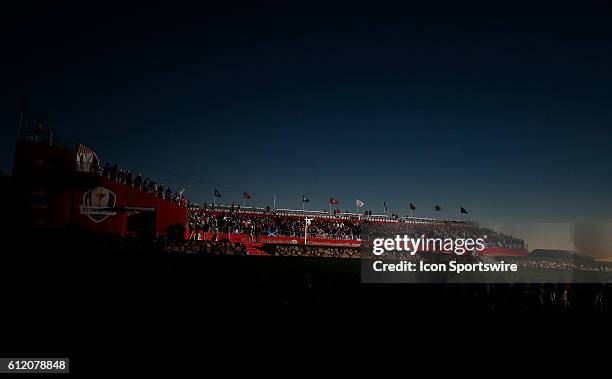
column 98, row 204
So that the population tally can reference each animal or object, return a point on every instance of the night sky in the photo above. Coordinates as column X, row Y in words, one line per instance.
column 504, row 110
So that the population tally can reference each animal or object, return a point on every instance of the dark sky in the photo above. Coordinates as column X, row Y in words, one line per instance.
column 505, row 110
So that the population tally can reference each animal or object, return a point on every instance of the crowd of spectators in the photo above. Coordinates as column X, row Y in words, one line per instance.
column 559, row 264
column 273, row 224
column 204, row 247
column 225, row 247
column 269, row 224
column 315, row 251
column 147, row 185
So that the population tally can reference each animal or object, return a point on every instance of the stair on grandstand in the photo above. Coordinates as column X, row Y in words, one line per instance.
column 254, row 248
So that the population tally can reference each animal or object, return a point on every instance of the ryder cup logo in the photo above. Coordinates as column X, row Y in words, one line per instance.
column 98, row 204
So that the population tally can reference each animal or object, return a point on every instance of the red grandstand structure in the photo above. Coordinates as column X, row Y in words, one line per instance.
column 61, row 189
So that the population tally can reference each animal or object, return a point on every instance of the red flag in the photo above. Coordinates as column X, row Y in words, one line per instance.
column 246, row 196
column 333, row 201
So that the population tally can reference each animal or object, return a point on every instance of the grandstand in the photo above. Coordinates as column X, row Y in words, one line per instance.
column 301, row 227
column 61, row 187
column 67, row 187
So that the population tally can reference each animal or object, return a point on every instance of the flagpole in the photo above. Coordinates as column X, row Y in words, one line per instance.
column 274, row 202
column 306, row 222
column 21, row 117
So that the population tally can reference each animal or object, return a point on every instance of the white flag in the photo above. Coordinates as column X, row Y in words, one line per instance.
column 359, row 203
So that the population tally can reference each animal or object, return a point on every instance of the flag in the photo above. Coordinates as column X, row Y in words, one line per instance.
column 305, row 199
column 359, row 203
column 217, row 193
column 333, row 201
column 412, row 207
column 385, row 205
column 463, row 211
column 246, row 196
column 437, row 208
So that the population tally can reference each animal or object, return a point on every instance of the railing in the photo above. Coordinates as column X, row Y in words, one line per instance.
column 233, row 230
column 326, row 215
